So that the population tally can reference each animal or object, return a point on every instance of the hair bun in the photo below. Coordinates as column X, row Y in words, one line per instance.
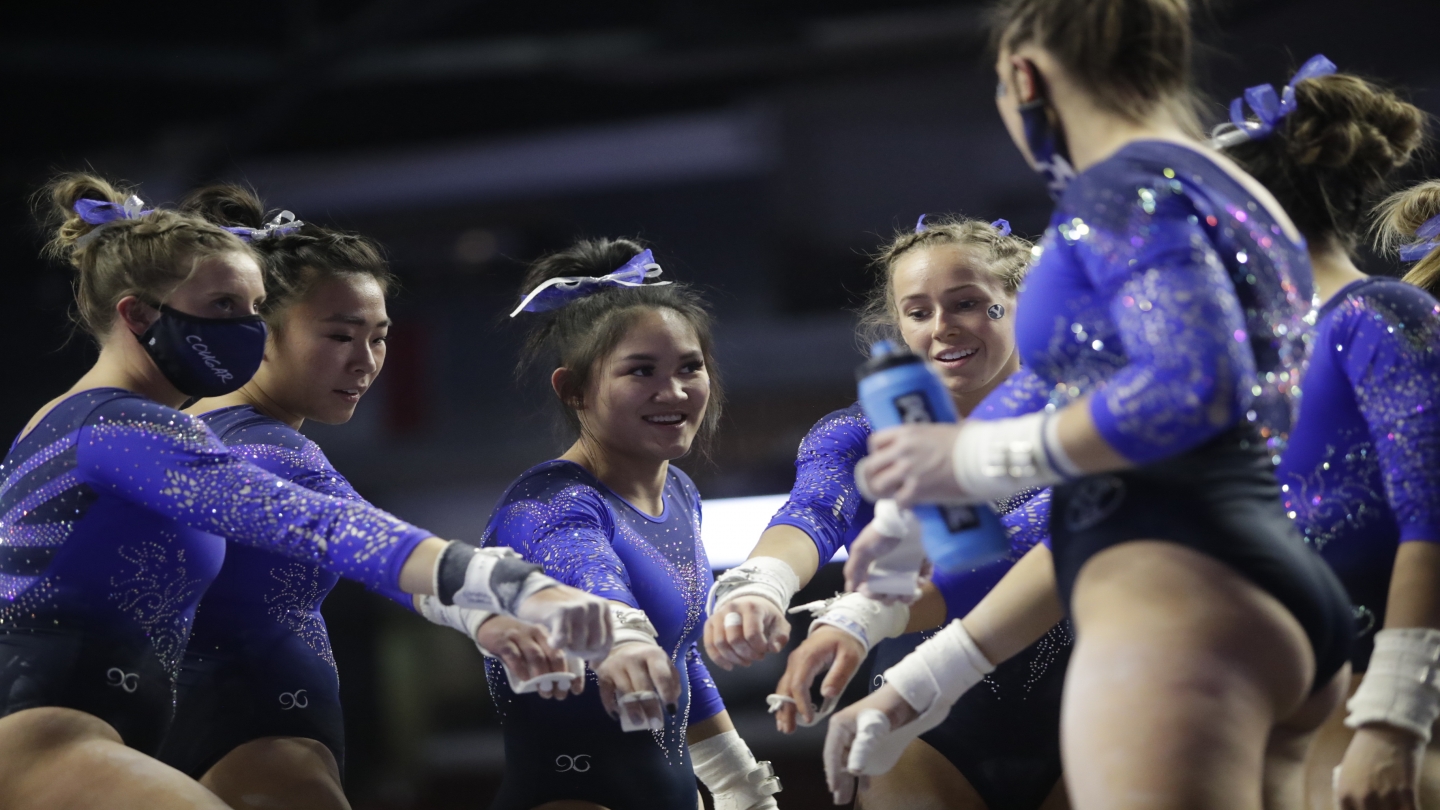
column 1344, row 123
column 56, row 202
column 226, row 204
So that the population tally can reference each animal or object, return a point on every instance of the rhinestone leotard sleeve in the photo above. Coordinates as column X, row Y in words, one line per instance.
column 1388, row 344
column 824, row 502
column 171, row 464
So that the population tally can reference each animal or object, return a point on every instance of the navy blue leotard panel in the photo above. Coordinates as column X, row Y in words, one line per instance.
column 110, row 514
column 1362, row 471
column 559, row 515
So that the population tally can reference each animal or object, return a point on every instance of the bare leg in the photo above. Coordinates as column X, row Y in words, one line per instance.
column 278, row 773
column 924, row 779
column 58, row 759
column 1291, row 741
column 1181, row 669
column 1329, row 748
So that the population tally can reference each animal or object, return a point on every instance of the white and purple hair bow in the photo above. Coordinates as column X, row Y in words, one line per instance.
column 1428, row 235
column 1270, row 107
column 558, row 292
column 101, row 213
column 283, row 223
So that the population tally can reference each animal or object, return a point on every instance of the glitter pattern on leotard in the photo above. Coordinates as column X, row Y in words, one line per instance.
column 1362, row 472
column 560, row 516
column 135, row 493
column 1166, row 291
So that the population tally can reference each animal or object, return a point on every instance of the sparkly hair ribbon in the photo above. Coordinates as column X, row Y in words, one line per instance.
column 559, row 292
column 1000, row 225
column 284, row 223
column 1429, row 239
column 1268, row 105
column 101, row 213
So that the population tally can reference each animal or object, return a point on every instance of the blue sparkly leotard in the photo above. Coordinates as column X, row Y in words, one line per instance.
column 1003, row 736
column 1176, row 302
column 259, row 662
column 560, row 516
column 109, row 514
column 1362, row 470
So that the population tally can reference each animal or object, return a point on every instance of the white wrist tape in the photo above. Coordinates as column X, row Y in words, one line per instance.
column 766, row 577
column 1402, row 684
column 466, row 620
column 930, row 679
column 731, row 774
column 631, row 626
column 866, row 619
column 495, row 579
column 897, row 572
column 996, row 459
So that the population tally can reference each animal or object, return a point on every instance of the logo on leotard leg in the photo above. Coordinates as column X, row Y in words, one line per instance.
column 564, row 763
column 117, row 677
column 1364, row 620
column 293, row 700
column 1092, row 500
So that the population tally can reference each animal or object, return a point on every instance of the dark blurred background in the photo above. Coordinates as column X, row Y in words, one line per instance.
column 761, row 148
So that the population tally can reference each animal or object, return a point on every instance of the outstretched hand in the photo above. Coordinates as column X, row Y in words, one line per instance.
column 574, row 621
column 1381, row 769
column 852, row 738
column 525, row 651
column 826, row 646
column 912, row 464
column 758, row 629
column 639, row 682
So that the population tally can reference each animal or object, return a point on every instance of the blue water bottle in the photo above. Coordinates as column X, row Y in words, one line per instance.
column 897, row 388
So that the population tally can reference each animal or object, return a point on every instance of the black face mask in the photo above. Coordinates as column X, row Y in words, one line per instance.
column 205, row 357
column 1045, row 138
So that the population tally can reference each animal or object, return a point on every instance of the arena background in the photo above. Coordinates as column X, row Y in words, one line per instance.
column 761, row 148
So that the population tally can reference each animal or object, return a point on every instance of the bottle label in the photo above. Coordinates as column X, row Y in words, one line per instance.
column 913, row 408
column 959, row 518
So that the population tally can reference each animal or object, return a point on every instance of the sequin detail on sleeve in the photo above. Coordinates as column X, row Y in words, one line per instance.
column 705, row 701
column 1167, row 291
column 824, row 502
column 568, row 532
column 1391, row 354
column 172, row 465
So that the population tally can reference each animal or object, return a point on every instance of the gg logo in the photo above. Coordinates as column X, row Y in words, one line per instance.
column 293, row 700
column 879, row 681
column 564, row 763
column 129, row 681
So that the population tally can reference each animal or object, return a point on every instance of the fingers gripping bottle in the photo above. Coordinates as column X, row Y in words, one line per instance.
column 897, row 388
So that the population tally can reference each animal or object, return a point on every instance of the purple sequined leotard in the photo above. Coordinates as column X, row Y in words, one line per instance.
column 1174, row 300
column 560, row 516
column 1362, row 472
column 259, row 662
column 111, row 515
